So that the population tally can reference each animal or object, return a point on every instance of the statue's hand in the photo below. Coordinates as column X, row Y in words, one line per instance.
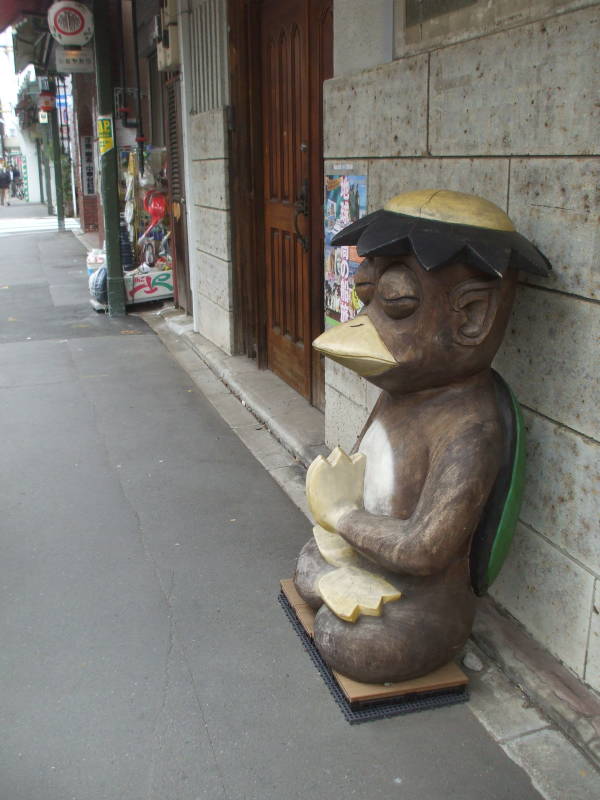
column 334, row 486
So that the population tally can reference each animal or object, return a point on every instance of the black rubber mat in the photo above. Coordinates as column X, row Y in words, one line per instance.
column 365, row 712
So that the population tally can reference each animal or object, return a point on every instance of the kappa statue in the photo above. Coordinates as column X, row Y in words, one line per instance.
column 417, row 520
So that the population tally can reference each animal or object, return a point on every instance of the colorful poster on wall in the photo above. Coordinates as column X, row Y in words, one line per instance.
column 345, row 202
column 106, row 140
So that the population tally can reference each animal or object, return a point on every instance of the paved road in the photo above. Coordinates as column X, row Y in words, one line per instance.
column 144, row 655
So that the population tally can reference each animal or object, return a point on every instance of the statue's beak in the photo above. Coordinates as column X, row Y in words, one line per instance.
column 357, row 345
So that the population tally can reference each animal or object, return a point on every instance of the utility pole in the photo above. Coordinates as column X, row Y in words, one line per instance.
column 38, row 152
column 47, row 175
column 57, row 156
column 108, row 157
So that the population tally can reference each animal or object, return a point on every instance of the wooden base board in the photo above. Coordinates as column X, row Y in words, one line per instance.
column 448, row 677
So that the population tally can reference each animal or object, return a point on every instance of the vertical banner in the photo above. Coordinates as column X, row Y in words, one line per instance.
column 25, row 178
column 88, row 167
column 345, row 202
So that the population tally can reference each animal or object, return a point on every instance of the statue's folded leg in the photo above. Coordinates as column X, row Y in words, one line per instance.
column 422, row 631
column 310, row 567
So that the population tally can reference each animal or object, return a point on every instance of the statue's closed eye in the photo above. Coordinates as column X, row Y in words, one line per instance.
column 365, row 280
column 365, row 291
column 399, row 292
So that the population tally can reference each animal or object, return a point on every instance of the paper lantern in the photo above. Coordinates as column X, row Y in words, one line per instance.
column 70, row 23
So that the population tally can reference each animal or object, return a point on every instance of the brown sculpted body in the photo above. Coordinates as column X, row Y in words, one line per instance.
column 437, row 438
column 432, row 450
column 389, row 567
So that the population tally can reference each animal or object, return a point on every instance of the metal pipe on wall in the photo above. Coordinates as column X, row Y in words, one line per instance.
column 140, row 138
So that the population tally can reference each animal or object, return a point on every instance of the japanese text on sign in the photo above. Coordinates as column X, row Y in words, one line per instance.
column 88, row 169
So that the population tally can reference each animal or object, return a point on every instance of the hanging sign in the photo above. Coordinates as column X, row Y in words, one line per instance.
column 46, row 101
column 106, row 140
column 70, row 61
column 345, row 202
column 70, row 23
column 88, row 170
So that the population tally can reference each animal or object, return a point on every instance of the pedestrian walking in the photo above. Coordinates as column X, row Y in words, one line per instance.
column 15, row 174
column 4, row 185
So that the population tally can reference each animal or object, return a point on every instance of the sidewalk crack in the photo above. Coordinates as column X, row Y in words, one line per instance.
column 156, row 735
column 524, row 734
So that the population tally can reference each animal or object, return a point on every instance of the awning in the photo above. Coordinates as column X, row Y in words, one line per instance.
column 32, row 43
column 11, row 11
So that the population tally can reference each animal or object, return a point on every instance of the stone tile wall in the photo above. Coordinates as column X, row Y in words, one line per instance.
column 367, row 31
column 210, row 228
column 496, row 99
column 473, row 21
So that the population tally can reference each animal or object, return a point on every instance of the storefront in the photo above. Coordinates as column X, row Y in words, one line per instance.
column 147, row 136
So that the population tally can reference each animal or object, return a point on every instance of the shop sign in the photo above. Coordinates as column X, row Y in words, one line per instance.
column 70, row 61
column 106, row 140
column 345, row 202
column 70, row 23
column 141, row 287
column 43, row 117
column 88, row 167
column 46, row 101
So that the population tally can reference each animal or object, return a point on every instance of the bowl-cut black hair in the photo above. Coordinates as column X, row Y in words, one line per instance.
column 436, row 244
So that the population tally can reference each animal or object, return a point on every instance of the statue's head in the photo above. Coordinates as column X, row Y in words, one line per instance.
column 437, row 282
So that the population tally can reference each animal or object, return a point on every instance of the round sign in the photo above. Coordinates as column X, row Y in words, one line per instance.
column 70, row 23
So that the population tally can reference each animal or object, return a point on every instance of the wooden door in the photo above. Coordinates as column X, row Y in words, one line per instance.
column 292, row 72
column 181, row 273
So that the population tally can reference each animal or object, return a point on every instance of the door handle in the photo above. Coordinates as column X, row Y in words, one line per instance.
column 301, row 208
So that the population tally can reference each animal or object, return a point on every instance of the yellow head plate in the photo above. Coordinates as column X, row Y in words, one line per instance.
column 457, row 208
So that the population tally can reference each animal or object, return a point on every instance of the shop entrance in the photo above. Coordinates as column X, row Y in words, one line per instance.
column 286, row 46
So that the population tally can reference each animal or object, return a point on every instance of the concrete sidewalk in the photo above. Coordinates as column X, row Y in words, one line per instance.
column 144, row 654
column 23, row 217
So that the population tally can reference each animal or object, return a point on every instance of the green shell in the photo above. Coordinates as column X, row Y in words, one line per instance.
column 514, row 497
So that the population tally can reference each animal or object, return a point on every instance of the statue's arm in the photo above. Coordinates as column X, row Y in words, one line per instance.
column 449, row 507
